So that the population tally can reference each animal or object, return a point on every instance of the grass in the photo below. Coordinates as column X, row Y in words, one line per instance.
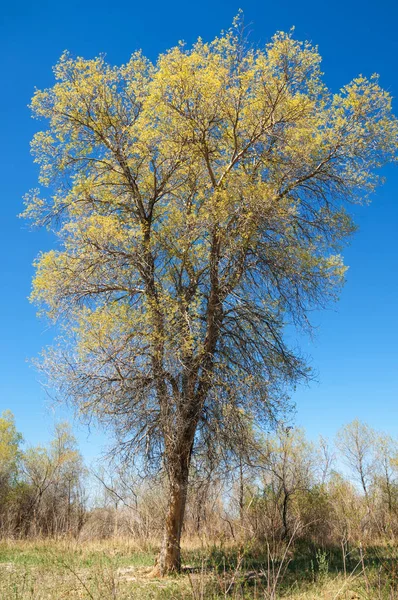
column 45, row 570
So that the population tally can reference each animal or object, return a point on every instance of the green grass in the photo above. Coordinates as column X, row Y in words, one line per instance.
column 51, row 553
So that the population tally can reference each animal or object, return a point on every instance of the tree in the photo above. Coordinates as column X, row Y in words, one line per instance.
column 10, row 441
column 356, row 442
column 199, row 207
column 386, row 451
column 289, row 465
column 10, row 455
column 54, row 476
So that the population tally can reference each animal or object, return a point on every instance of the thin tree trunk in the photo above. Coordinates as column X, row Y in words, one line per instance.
column 284, row 516
column 241, row 492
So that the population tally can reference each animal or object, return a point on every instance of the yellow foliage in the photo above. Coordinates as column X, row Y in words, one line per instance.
column 199, row 202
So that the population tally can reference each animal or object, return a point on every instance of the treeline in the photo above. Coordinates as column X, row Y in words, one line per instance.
column 42, row 490
column 327, row 494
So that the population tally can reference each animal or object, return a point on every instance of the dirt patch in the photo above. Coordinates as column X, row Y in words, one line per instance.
column 133, row 573
column 9, row 567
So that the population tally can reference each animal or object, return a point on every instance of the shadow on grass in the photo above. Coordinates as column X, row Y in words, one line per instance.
column 304, row 563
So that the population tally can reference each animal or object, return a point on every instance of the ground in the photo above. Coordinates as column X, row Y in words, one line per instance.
column 64, row 569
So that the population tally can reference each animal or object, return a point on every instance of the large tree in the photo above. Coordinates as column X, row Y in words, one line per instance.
column 199, row 207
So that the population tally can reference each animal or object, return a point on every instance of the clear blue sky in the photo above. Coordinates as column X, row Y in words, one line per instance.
column 355, row 352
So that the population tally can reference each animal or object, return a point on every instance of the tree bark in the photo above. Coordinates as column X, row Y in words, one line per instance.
column 170, row 555
column 285, row 531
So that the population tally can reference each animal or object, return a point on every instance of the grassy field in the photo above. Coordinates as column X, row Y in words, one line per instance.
column 44, row 570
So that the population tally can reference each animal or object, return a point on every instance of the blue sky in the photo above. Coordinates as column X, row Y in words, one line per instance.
column 355, row 352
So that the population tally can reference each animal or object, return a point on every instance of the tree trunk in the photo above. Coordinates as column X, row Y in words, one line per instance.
column 241, row 492
column 169, row 560
column 170, row 555
column 285, row 531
